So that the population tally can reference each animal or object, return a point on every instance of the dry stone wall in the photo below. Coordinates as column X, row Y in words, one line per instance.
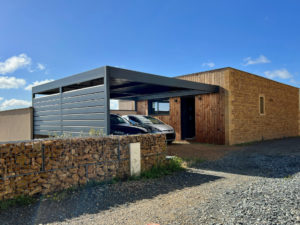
column 43, row 166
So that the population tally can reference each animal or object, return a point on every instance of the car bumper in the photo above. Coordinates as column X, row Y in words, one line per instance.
column 170, row 136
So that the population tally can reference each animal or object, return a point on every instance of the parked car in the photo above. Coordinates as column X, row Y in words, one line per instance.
column 152, row 125
column 120, row 126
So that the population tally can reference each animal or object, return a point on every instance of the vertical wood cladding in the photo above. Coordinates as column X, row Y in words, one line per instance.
column 173, row 119
column 210, row 109
column 126, row 105
column 210, row 126
column 142, row 107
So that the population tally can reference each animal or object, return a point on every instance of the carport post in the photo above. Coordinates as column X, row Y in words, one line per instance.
column 107, row 101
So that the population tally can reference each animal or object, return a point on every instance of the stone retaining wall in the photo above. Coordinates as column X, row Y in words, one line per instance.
column 43, row 166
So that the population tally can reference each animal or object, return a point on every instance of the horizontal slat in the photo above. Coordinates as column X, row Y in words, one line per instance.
column 45, row 104
column 91, row 116
column 36, row 102
column 82, row 129
column 91, row 113
column 47, row 108
column 75, row 131
column 45, row 132
column 44, row 122
column 83, row 91
column 46, row 127
column 48, row 103
column 99, row 102
column 93, row 96
column 37, row 112
column 96, row 109
column 95, row 123
column 54, row 97
column 46, row 118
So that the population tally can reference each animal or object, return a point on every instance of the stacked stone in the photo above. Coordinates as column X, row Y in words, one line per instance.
column 50, row 165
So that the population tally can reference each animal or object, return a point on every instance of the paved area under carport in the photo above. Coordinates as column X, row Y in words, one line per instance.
column 254, row 184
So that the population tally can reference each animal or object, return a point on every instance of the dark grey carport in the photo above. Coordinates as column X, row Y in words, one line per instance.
column 80, row 102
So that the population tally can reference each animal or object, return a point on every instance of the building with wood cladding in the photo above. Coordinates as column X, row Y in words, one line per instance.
column 223, row 106
column 246, row 108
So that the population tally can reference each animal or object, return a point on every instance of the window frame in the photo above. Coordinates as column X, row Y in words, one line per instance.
column 260, row 109
column 158, row 113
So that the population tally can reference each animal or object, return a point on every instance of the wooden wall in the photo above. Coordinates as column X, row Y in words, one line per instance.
column 211, row 110
column 173, row 119
column 210, row 120
column 142, row 107
column 126, row 105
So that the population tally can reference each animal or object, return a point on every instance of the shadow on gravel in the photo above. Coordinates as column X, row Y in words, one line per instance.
column 96, row 199
column 273, row 159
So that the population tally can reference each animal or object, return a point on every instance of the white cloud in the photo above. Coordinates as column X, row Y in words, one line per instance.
column 14, row 63
column 281, row 73
column 14, row 103
column 209, row 64
column 1, row 98
column 11, row 82
column 114, row 104
column 260, row 60
column 35, row 83
column 41, row 66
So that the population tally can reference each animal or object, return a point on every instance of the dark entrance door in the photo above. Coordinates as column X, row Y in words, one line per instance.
column 187, row 117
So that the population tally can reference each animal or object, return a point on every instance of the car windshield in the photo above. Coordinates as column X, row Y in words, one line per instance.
column 114, row 119
column 149, row 120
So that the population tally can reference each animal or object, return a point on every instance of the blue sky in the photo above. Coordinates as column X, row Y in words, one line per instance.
column 46, row 40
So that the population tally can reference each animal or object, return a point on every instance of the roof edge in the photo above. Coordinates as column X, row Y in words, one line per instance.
column 206, row 71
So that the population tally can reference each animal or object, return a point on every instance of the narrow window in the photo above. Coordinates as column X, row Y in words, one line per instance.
column 261, row 105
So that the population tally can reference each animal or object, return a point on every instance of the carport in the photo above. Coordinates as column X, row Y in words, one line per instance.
column 80, row 102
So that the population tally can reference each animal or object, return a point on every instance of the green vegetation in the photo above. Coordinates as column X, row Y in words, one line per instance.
column 173, row 165
column 18, row 201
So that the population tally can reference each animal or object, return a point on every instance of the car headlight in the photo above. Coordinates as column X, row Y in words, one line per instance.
column 153, row 130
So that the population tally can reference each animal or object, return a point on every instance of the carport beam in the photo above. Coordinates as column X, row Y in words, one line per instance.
column 107, row 101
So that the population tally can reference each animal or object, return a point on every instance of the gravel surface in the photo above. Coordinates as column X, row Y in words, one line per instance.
column 259, row 184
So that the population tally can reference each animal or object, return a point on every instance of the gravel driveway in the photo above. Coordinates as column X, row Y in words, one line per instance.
column 258, row 184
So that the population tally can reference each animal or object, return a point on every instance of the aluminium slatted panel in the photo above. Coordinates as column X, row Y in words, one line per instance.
column 81, row 110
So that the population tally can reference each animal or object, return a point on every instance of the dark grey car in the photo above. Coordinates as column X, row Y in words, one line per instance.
column 120, row 126
column 152, row 125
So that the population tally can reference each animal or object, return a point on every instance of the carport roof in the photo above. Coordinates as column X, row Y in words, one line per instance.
column 127, row 84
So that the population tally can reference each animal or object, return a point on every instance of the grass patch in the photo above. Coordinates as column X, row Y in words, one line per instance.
column 173, row 165
column 17, row 201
